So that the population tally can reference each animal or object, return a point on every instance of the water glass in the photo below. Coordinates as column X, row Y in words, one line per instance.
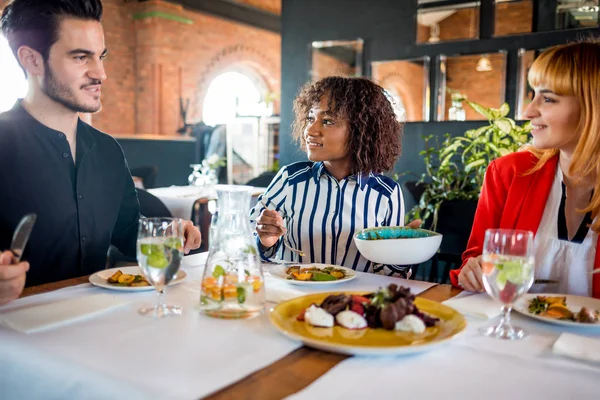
column 508, row 269
column 159, row 254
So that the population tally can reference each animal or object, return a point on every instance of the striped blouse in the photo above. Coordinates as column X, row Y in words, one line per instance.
column 322, row 214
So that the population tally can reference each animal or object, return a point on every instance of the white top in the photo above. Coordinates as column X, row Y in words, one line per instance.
column 570, row 263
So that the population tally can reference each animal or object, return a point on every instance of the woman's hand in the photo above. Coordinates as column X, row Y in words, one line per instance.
column 470, row 276
column 415, row 223
column 270, row 227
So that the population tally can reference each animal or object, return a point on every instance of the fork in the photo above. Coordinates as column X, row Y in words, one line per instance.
column 290, row 248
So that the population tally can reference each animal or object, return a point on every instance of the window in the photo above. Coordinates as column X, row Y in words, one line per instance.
column 230, row 95
column 12, row 80
column 437, row 22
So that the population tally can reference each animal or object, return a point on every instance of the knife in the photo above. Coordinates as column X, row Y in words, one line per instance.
column 21, row 235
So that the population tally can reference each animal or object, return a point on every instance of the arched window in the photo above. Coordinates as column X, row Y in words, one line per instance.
column 12, row 80
column 232, row 94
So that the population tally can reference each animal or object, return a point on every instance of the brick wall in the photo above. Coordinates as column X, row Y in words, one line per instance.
column 176, row 59
column 486, row 88
column 513, row 18
column 324, row 65
column 407, row 80
column 155, row 60
column 463, row 24
column 272, row 6
column 118, row 92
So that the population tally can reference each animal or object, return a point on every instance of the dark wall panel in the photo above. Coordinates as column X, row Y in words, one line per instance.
column 172, row 157
column 388, row 28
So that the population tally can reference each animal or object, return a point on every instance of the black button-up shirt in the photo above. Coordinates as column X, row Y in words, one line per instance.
column 81, row 207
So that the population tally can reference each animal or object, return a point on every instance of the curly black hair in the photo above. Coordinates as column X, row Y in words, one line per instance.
column 375, row 137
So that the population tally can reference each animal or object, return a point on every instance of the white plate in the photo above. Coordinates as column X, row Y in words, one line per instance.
column 574, row 303
column 278, row 271
column 100, row 277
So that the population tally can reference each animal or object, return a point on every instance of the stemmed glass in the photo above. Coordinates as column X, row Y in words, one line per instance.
column 508, row 266
column 159, row 253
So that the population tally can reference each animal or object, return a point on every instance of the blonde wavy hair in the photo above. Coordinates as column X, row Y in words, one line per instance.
column 574, row 70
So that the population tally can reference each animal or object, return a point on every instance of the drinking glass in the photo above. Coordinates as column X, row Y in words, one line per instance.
column 508, row 266
column 159, row 253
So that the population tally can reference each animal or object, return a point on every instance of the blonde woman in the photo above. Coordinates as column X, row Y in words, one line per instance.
column 552, row 187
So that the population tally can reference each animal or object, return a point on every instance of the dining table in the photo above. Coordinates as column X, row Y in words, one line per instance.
column 120, row 354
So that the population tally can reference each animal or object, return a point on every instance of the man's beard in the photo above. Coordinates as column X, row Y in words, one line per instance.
column 62, row 94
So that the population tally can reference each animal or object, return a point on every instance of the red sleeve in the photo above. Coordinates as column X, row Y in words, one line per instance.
column 488, row 214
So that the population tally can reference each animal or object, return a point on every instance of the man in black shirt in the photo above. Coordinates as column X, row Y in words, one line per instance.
column 74, row 177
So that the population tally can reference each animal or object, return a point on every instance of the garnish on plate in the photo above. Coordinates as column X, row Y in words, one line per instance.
column 121, row 279
column 390, row 308
column 299, row 273
column 555, row 307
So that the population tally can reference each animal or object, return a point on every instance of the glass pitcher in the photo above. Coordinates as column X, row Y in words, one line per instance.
column 233, row 283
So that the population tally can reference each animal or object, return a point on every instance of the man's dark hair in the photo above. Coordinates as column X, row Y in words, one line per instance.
column 35, row 23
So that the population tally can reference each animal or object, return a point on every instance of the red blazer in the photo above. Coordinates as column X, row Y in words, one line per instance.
column 512, row 200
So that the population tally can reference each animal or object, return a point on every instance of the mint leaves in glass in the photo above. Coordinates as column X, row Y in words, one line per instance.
column 159, row 254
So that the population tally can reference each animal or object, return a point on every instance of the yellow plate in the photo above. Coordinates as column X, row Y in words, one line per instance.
column 366, row 341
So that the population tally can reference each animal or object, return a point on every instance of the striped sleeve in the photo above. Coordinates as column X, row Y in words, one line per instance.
column 272, row 199
column 395, row 212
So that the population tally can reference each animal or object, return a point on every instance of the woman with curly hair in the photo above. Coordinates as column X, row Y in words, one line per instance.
column 552, row 188
column 351, row 135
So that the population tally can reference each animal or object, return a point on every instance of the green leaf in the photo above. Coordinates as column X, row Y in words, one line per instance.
column 486, row 112
column 218, row 271
column 241, row 294
column 446, row 160
column 481, row 131
column 504, row 109
column 474, row 164
column 503, row 125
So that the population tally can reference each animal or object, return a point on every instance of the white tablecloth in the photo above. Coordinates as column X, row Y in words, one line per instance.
column 472, row 367
column 122, row 355
column 180, row 199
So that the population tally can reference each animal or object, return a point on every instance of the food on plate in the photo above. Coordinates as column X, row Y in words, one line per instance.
column 351, row 320
column 121, row 279
column 299, row 273
column 555, row 307
column 390, row 308
column 316, row 316
column 410, row 323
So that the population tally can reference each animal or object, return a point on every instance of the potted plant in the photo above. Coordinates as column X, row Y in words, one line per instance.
column 455, row 168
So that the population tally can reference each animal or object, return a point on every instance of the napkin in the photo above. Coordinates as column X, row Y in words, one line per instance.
column 575, row 346
column 47, row 316
column 279, row 291
column 479, row 305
